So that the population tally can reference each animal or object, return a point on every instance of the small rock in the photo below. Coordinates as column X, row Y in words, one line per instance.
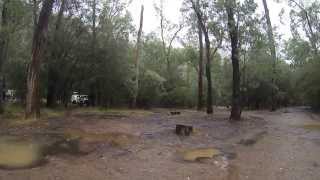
column 281, row 169
column 252, row 139
column 247, row 142
column 315, row 164
column 230, row 155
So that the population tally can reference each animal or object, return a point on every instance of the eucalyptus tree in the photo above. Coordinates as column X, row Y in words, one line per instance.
column 305, row 18
column 209, row 16
column 138, row 47
column 249, row 25
column 200, row 73
column 3, row 46
column 272, row 48
column 33, row 77
column 230, row 6
column 194, row 28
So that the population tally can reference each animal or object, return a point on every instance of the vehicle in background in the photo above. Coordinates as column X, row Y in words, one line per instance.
column 75, row 98
column 81, row 100
column 10, row 95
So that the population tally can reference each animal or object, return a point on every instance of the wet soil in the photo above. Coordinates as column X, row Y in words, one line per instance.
column 142, row 146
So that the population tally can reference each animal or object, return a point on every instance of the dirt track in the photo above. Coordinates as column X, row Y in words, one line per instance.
column 285, row 150
column 289, row 150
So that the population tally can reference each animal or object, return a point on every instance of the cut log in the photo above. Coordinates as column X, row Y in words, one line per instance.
column 175, row 113
column 183, row 130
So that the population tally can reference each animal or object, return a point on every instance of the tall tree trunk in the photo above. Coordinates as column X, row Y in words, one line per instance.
column 234, row 36
column 33, row 77
column 136, row 88
column 273, row 54
column 245, row 83
column 93, row 90
column 51, row 87
column 200, row 75
column 35, row 13
column 4, row 39
column 208, row 74
column 94, row 29
column 52, row 72
column 197, row 10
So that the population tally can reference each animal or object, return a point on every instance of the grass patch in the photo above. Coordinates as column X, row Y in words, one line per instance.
column 14, row 115
column 21, row 122
column 115, row 111
column 13, row 111
column 52, row 113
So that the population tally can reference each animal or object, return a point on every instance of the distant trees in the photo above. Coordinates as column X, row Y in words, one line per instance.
column 168, row 34
column 4, row 39
column 303, row 50
column 305, row 18
column 54, row 55
column 87, row 48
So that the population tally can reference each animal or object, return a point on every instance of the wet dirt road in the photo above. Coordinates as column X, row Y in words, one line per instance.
column 289, row 151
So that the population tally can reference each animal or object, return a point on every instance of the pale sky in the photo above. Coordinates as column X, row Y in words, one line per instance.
column 151, row 20
column 172, row 12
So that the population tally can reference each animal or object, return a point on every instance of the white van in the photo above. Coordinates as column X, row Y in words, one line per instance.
column 75, row 98
column 79, row 99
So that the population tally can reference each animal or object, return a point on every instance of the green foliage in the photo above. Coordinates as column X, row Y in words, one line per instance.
column 309, row 83
column 297, row 51
column 103, row 67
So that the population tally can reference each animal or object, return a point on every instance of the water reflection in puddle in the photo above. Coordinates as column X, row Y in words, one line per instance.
column 16, row 153
column 27, row 152
column 311, row 126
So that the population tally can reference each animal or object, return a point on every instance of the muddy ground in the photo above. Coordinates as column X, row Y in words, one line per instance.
column 142, row 145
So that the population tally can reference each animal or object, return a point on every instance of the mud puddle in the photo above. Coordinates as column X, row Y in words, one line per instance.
column 18, row 153
column 24, row 152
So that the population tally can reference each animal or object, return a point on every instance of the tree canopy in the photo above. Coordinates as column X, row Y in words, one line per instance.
column 90, row 47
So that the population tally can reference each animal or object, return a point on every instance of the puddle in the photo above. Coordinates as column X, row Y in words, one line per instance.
column 311, row 127
column 28, row 152
column 114, row 138
column 18, row 153
column 196, row 154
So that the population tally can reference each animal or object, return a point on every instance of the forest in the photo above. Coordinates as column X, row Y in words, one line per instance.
column 91, row 47
column 223, row 59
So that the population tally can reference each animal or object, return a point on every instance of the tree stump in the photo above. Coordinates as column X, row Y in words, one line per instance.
column 175, row 113
column 183, row 130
